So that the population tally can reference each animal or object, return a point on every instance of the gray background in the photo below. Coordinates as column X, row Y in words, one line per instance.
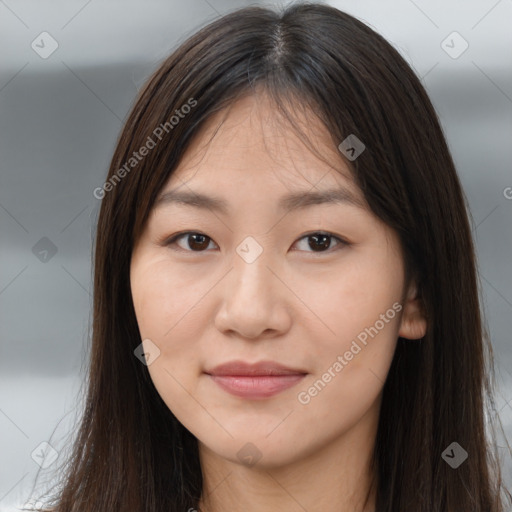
column 60, row 118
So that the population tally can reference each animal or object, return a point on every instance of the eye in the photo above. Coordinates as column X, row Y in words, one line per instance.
column 320, row 241
column 198, row 242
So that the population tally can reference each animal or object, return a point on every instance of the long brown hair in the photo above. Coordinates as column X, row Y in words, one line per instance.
column 130, row 452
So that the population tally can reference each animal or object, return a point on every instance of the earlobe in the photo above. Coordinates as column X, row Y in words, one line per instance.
column 413, row 324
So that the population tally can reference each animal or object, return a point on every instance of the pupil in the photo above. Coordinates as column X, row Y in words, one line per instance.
column 199, row 245
column 325, row 241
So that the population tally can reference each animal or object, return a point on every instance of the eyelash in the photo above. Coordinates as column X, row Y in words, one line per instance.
column 341, row 242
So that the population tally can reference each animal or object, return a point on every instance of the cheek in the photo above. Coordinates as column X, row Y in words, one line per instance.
column 350, row 368
column 350, row 298
column 163, row 297
column 356, row 329
column 164, row 301
column 168, row 313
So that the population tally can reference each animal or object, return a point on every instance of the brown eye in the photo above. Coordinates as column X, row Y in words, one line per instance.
column 196, row 242
column 321, row 242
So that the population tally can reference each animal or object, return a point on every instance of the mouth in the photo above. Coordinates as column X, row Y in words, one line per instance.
column 255, row 381
column 263, row 386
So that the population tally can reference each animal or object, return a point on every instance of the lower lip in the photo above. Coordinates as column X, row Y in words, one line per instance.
column 259, row 386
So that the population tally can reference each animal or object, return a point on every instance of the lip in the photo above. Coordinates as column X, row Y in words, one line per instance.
column 261, row 368
column 256, row 381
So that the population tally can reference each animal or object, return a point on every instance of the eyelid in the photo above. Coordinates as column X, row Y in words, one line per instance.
column 342, row 242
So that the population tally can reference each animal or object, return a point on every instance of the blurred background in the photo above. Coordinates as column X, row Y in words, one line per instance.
column 69, row 72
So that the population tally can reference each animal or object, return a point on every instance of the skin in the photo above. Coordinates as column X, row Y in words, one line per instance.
column 294, row 305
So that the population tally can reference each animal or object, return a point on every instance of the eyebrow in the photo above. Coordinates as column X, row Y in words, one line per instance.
column 289, row 202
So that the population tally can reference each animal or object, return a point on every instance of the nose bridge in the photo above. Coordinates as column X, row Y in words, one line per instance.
column 249, row 300
column 251, row 275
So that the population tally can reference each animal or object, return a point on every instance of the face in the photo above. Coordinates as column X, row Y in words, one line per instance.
column 314, row 286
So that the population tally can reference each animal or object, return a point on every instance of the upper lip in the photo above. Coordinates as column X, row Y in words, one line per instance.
column 255, row 369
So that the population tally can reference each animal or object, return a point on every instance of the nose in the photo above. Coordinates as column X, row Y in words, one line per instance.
column 254, row 301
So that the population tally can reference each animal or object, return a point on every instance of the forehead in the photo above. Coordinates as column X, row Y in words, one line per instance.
column 250, row 150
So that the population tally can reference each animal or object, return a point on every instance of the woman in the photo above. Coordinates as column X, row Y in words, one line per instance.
column 234, row 365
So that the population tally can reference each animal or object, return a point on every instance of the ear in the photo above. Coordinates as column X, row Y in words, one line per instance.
column 413, row 324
